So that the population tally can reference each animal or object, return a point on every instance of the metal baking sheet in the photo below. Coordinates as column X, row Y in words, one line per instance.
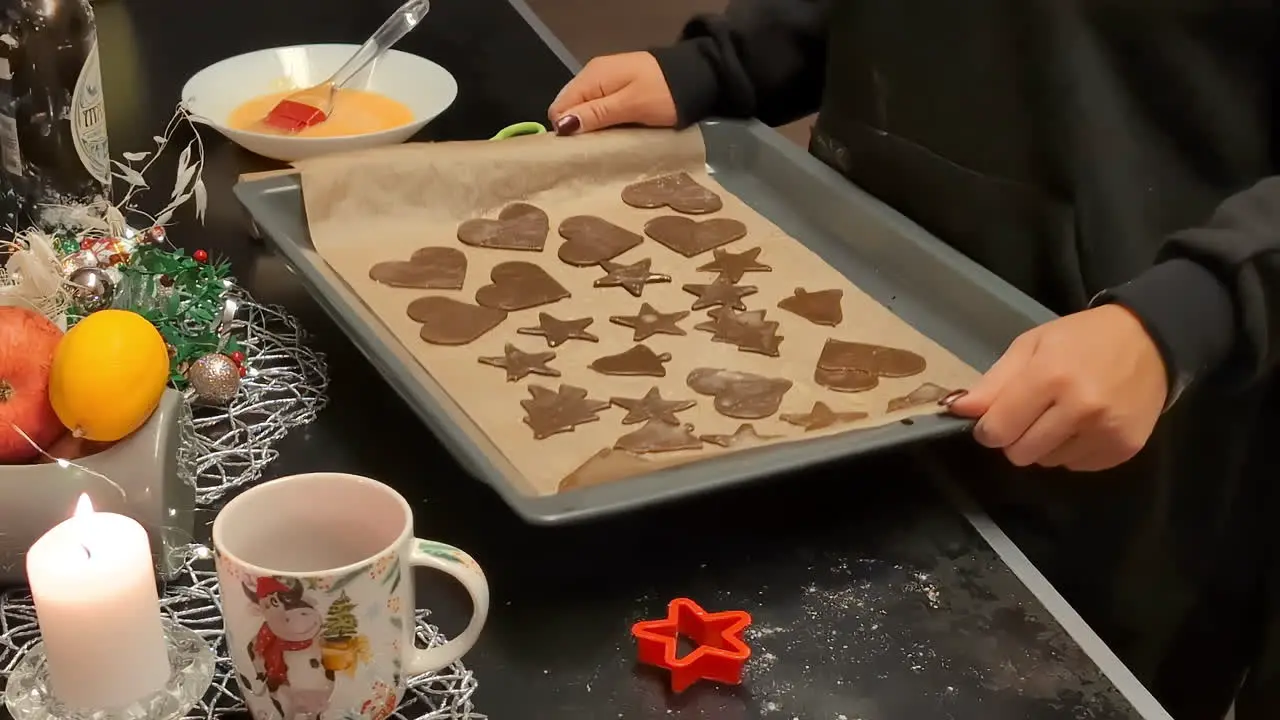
column 944, row 295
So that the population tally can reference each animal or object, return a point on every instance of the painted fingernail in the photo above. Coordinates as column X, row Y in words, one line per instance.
column 952, row 397
column 568, row 125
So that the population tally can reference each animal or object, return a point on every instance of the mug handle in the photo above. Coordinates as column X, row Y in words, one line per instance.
column 451, row 561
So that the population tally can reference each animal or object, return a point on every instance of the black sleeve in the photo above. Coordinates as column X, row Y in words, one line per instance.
column 761, row 58
column 1212, row 303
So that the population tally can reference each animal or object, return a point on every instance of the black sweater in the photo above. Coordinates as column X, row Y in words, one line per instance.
column 1151, row 122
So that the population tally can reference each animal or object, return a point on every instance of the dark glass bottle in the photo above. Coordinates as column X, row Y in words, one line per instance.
column 53, row 125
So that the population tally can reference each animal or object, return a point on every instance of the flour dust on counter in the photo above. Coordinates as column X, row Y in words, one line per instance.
column 866, row 635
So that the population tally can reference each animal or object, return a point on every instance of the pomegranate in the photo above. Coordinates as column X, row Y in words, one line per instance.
column 27, row 342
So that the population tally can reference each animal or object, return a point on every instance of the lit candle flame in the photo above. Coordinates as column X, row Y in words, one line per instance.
column 84, row 506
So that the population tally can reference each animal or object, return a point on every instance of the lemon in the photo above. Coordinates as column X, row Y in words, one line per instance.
column 108, row 374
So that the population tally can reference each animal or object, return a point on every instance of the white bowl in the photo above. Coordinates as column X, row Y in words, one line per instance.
column 213, row 93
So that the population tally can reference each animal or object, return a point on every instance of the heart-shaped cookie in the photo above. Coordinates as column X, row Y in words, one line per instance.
column 693, row 237
column 677, row 191
column 741, row 395
column 590, row 240
column 446, row 321
column 520, row 226
column 517, row 285
column 855, row 367
column 429, row 268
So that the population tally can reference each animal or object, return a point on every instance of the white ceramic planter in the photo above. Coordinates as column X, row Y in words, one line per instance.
column 152, row 466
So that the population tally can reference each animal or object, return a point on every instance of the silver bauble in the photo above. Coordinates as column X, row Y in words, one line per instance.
column 92, row 289
column 215, row 378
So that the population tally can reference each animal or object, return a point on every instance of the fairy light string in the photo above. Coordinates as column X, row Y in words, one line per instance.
column 66, row 464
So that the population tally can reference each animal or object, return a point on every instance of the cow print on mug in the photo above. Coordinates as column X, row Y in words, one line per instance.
column 299, row 650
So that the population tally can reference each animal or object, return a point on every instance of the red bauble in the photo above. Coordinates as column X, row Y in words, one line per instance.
column 237, row 357
column 27, row 342
column 242, row 371
column 200, row 256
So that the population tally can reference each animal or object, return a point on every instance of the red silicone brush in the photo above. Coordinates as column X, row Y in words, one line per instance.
column 314, row 105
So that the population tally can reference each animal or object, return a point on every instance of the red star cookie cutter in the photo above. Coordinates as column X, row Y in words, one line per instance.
column 720, row 653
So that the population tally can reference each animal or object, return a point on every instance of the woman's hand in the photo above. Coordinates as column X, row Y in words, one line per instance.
column 614, row 90
column 1083, row 392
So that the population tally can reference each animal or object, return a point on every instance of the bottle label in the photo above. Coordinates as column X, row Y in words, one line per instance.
column 89, row 119
column 10, row 150
column 9, row 146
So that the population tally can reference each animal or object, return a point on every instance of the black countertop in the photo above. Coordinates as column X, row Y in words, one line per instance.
column 873, row 595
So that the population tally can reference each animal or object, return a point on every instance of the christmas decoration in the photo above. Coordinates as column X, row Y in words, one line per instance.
column 183, row 298
column 214, row 378
column 92, row 288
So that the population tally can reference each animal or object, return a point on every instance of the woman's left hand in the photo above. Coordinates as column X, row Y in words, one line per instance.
column 1082, row 392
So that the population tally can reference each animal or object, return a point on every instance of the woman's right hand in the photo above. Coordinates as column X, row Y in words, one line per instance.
column 614, row 90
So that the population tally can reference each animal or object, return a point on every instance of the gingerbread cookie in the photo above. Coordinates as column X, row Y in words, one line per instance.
column 741, row 395
column 610, row 464
column 657, row 437
column 446, row 321
column 745, row 436
column 748, row 330
column 639, row 360
column 558, row 332
column 651, row 407
column 926, row 394
column 694, row 237
column 631, row 278
column 720, row 293
column 821, row 417
column 820, row 308
column 520, row 226
column 677, row 191
column 519, row 363
column 651, row 322
column 732, row 266
column 590, row 240
column 857, row 367
column 517, row 285
column 429, row 268
column 548, row 413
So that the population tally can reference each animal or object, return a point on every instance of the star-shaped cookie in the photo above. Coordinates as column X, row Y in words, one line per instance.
column 821, row 417
column 519, row 363
column 631, row 277
column 557, row 332
column 732, row 266
column 719, row 292
column 651, row 407
column 651, row 322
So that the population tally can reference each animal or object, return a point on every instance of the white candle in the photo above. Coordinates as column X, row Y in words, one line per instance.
column 95, row 595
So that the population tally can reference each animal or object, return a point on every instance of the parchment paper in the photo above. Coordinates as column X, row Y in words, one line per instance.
column 384, row 204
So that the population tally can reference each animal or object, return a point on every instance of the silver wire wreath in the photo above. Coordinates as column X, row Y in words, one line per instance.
column 283, row 388
column 193, row 601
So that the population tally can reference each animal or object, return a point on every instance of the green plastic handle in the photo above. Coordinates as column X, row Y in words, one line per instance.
column 524, row 128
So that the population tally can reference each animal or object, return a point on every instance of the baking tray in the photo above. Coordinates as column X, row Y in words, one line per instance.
column 943, row 294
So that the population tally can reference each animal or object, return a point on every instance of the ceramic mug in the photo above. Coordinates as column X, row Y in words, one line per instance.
column 318, row 601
